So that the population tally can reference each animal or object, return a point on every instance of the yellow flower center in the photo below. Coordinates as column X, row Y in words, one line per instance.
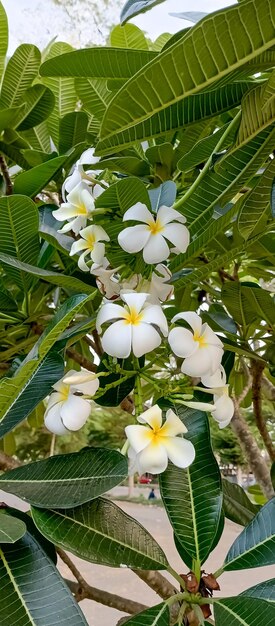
column 133, row 317
column 90, row 241
column 82, row 209
column 64, row 391
column 155, row 227
column 200, row 339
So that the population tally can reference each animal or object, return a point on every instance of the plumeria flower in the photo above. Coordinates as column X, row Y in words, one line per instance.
column 201, row 349
column 91, row 243
column 154, row 443
column 159, row 288
column 268, row 285
column 152, row 234
column 138, row 327
column 66, row 411
column 79, row 174
column 224, row 406
column 106, row 279
column 79, row 206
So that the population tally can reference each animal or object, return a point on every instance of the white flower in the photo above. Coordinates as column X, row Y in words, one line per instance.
column 224, row 406
column 202, row 349
column 151, row 446
column 151, row 235
column 159, row 288
column 106, row 279
column 268, row 286
column 79, row 206
column 78, row 174
column 65, row 411
column 91, row 243
column 135, row 329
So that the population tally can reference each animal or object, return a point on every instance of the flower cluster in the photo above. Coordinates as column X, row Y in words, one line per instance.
column 136, row 322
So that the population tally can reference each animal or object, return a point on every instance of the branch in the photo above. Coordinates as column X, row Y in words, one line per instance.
column 82, row 590
column 81, row 360
column 267, row 388
column 5, row 172
column 8, row 462
column 257, row 374
column 157, row 582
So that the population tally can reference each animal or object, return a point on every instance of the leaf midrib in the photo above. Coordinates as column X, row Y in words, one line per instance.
column 255, row 547
column 16, row 588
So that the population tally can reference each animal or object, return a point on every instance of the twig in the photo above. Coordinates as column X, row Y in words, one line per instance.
column 5, row 172
column 248, row 385
column 81, row 360
column 157, row 582
column 257, row 373
column 98, row 346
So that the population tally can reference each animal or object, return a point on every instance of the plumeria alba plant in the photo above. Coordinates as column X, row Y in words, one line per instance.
column 137, row 276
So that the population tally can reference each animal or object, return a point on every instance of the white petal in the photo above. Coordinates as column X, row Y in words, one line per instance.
column 98, row 233
column 167, row 214
column 81, row 262
column 116, row 340
column 75, row 412
column 154, row 315
column 53, row 421
column 153, row 459
column 224, row 410
column 135, row 300
column 109, row 312
column 210, row 337
column 138, row 212
column 88, row 158
column 164, row 272
column 75, row 196
column 199, row 406
column 198, row 364
column 152, row 416
column 216, row 357
column 72, row 181
column 173, row 425
column 98, row 252
column 134, row 238
column 97, row 191
column 78, row 224
column 180, row 451
column 218, row 379
column 89, row 387
column 78, row 246
column 191, row 318
column 65, row 212
column 182, row 342
column 156, row 249
column 178, row 235
column 138, row 436
column 144, row 339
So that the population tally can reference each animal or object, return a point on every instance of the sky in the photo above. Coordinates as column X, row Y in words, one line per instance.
column 39, row 21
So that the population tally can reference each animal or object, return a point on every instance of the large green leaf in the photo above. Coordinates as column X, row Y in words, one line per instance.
column 94, row 94
column 38, row 138
column 62, row 88
column 100, row 532
column 19, row 234
column 255, row 546
column 72, row 130
column 39, row 102
column 265, row 590
column 248, row 303
column 70, row 283
column 97, row 63
column 194, row 108
column 10, row 117
column 20, row 72
column 32, row 182
column 16, row 401
column 67, row 480
column 236, row 504
column 134, row 7
column 255, row 117
column 241, row 611
column 190, row 65
column 256, row 210
column 11, row 529
column 193, row 496
column 4, row 37
column 155, row 616
column 33, row 593
column 32, row 529
column 202, row 150
column 128, row 36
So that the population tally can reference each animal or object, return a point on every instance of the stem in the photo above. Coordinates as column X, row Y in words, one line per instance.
column 208, row 163
column 5, row 173
column 176, row 576
column 218, row 573
column 138, row 390
column 52, row 445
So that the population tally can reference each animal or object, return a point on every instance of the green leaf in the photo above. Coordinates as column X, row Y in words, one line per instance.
column 134, row 7
column 72, row 130
column 155, row 616
column 33, row 181
column 10, row 117
column 236, row 504
column 94, row 94
column 67, row 480
column 32, row 529
column 100, row 532
column 247, row 304
column 11, row 529
column 264, row 591
column 70, row 283
column 17, row 396
column 38, row 138
column 128, row 36
column 39, row 102
column 97, row 63
column 21, row 70
column 272, row 473
column 255, row 117
column 123, row 194
column 18, row 234
column 243, row 611
column 164, row 195
column 193, row 497
column 188, row 66
column 131, row 165
column 202, row 150
column 24, row 568
column 255, row 210
column 269, row 91
column 115, row 395
column 254, row 547
column 48, row 229
column 195, row 108
column 4, row 37
column 36, row 157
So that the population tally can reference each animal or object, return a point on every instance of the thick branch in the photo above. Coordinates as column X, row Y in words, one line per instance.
column 257, row 377
column 5, row 173
column 267, row 388
column 157, row 582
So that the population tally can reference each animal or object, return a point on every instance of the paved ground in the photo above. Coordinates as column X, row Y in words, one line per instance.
column 125, row 583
